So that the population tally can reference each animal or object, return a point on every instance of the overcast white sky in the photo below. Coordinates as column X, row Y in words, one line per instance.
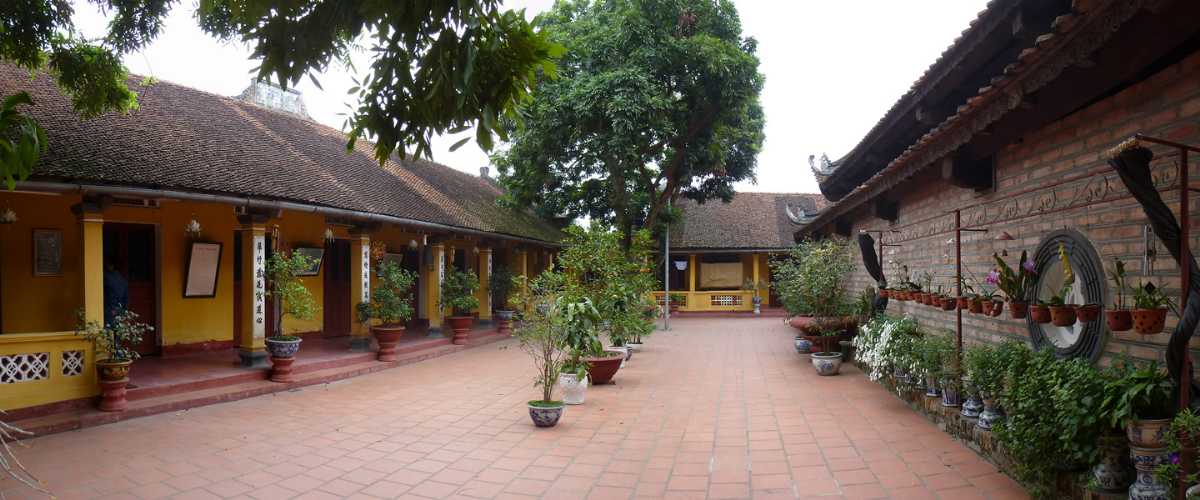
column 833, row 68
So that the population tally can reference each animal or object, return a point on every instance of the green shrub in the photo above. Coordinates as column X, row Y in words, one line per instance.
column 811, row 279
column 458, row 291
column 391, row 300
column 283, row 270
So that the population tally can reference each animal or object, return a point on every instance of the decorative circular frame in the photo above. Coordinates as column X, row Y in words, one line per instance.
column 1089, row 284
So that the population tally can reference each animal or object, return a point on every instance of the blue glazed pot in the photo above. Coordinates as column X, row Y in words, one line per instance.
column 827, row 363
column 972, row 406
column 545, row 416
column 803, row 345
column 283, row 348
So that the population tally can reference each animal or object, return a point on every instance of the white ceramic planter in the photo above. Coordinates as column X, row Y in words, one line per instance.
column 573, row 389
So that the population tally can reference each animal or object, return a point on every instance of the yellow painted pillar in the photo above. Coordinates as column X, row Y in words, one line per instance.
column 251, row 346
column 360, row 287
column 754, row 268
column 92, row 232
column 484, row 293
column 435, row 272
column 691, row 272
column 523, row 266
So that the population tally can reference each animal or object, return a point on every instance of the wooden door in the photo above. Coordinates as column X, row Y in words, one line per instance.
column 336, row 307
column 130, row 250
column 412, row 263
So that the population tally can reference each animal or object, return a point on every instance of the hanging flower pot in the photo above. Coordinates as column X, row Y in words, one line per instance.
column 997, row 308
column 1062, row 315
column 884, row 292
column 1039, row 313
column 985, row 307
column 1087, row 313
column 976, row 306
column 1120, row 320
column 1149, row 321
column 1018, row 310
column 963, row 302
column 948, row 303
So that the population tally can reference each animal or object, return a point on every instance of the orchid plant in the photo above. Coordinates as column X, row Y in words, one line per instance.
column 1014, row 284
column 1060, row 298
column 1117, row 275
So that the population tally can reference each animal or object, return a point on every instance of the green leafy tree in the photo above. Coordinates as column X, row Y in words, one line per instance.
column 811, row 278
column 285, row 286
column 458, row 291
column 391, row 300
column 654, row 99
column 437, row 66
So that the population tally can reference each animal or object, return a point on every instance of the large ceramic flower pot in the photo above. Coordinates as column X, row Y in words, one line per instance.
column 950, row 396
column 621, row 349
column 283, row 354
column 1039, row 313
column 1145, row 460
column 972, row 407
column 574, row 390
column 1018, row 310
column 1087, row 313
column 634, row 346
column 1149, row 321
column 1112, row 472
column 545, row 413
column 990, row 416
column 802, row 323
column 461, row 326
column 1062, row 315
column 114, row 377
column 602, row 369
column 931, row 387
column 827, row 363
column 1148, row 433
column 1120, row 320
column 504, row 323
column 387, row 337
column 803, row 345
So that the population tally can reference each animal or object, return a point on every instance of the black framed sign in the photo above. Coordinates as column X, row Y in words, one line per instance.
column 315, row 255
column 47, row 252
column 204, row 265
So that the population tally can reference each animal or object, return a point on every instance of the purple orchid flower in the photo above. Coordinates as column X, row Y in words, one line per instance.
column 1029, row 266
column 993, row 277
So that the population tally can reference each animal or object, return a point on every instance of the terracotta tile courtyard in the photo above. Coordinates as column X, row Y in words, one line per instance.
column 715, row 408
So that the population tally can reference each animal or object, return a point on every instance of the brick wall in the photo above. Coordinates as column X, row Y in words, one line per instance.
column 1166, row 105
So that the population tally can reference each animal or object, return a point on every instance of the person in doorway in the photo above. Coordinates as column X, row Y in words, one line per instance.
column 116, row 292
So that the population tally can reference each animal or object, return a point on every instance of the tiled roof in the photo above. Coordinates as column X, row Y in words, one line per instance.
column 749, row 220
column 184, row 139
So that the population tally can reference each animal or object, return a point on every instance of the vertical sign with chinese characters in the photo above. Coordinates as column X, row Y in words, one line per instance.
column 488, row 296
column 366, row 270
column 260, row 285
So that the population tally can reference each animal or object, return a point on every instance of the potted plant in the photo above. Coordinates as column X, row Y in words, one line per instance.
column 1139, row 398
column 756, row 287
column 458, row 294
column 1150, row 306
column 1039, row 312
column 676, row 300
column 295, row 301
column 1182, row 438
column 391, row 304
column 827, row 362
column 542, row 337
column 501, row 283
column 1062, row 313
column 117, row 342
column 1015, row 284
column 1119, row 318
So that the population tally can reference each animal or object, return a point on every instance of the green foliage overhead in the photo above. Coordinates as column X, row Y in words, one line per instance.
column 284, row 284
column 437, row 66
column 458, row 291
column 22, row 140
column 654, row 99
column 391, row 300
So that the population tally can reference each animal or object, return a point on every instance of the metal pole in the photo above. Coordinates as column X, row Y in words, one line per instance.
column 667, row 273
column 958, row 279
column 1185, row 382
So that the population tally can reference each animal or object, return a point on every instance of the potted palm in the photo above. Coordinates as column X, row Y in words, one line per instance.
column 1119, row 319
column 502, row 283
column 1015, row 284
column 1150, row 307
column 295, row 301
column 391, row 304
column 541, row 336
column 1140, row 399
column 117, row 342
column 458, row 294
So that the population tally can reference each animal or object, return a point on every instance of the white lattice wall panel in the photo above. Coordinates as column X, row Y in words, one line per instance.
column 72, row 363
column 726, row 300
column 26, row 367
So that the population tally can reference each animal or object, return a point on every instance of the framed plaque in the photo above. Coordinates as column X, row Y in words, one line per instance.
column 47, row 252
column 314, row 260
column 204, row 265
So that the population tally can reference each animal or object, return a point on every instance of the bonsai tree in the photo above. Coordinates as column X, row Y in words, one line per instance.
column 391, row 300
column 811, row 278
column 119, row 339
column 286, row 288
column 458, row 291
column 542, row 336
column 501, row 284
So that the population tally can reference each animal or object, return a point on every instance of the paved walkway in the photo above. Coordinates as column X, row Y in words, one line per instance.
column 716, row 408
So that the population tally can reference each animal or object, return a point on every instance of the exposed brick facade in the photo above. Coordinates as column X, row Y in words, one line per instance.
column 1166, row 104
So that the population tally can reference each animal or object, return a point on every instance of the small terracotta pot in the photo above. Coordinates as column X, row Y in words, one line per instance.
column 883, row 292
column 1018, row 310
column 985, row 307
column 963, row 302
column 1119, row 320
column 976, row 306
column 948, row 303
column 387, row 337
column 1087, row 313
column 1039, row 313
column 461, row 326
column 997, row 308
column 1062, row 315
column 1149, row 321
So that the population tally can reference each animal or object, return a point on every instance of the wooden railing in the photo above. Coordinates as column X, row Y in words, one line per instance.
column 712, row 300
column 41, row 368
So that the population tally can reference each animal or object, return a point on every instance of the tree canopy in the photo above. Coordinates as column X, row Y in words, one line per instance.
column 654, row 99
column 437, row 66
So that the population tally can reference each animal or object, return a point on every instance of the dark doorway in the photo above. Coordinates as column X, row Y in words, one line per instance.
column 412, row 263
column 130, row 250
column 336, row 309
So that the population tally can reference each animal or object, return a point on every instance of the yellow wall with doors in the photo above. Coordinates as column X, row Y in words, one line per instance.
column 31, row 303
